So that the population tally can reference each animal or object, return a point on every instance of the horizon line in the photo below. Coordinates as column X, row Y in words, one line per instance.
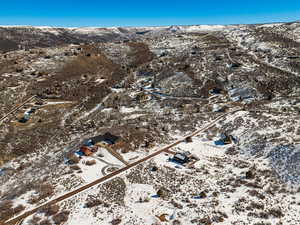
column 141, row 26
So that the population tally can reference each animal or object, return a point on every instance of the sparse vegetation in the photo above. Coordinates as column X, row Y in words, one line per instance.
column 7, row 210
column 149, row 88
column 51, row 210
column 61, row 217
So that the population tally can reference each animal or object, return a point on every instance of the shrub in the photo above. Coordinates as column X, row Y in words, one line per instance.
column 276, row 212
column 202, row 194
column 163, row 193
column 176, row 222
column 45, row 222
column 205, row 221
column 93, row 202
column 256, row 194
column 34, row 220
column 18, row 209
column 189, row 139
column 61, row 217
column 176, row 205
column 218, row 219
column 7, row 211
column 75, row 167
column 257, row 205
column 51, row 210
column 46, row 190
column 262, row 223
column 250, row 174
column 116, row 221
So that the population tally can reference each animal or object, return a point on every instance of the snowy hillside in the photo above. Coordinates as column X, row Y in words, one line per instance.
column 176, row 125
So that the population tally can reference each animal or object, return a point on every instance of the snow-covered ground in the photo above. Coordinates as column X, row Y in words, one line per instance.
column 216, row 190
column 190, row 60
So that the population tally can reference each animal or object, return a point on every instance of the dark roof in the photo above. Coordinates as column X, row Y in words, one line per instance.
column 181, row 158
column 111, row 137
column 97, row 139
column 106, row 137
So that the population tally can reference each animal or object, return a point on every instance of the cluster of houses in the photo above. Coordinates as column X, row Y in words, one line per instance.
column 90, row 146
column 27, row 114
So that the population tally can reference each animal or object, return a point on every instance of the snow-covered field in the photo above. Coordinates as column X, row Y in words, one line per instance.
column 228, row 199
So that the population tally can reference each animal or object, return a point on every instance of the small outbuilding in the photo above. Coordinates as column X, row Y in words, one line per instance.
column 180, row 158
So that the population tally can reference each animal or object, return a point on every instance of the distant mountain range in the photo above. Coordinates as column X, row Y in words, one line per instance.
column 26, row 37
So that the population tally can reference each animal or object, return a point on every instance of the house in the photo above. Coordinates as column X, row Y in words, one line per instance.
column 25, row 118
column 293, row 57
column 144, row 73
column 32, row 110
column 86, row 150
column 180, row 158
column 107, row 138
column 225, row 139
column 237, row 94
column 215, row 91
column 218, row 108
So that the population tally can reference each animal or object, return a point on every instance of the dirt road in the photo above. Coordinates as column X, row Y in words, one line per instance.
column 16, row 108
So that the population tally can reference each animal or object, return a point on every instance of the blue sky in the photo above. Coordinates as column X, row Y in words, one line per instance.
column 105, row 13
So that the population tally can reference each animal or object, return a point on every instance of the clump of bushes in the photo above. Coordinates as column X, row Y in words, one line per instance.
column 35, row 220
column 45, row 222
column 256, row 194
column 116, row 221
column 262, row 223
column 250, row 174
column 61, row 217
column 7, row 210
column 140, row 54
column 276, row 212
column 51, row 210
column 93, row 203
column 75, row 167
column 44, row 191
column 256, row 205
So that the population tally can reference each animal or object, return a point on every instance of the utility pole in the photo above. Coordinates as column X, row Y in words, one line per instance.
column 154, row 81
